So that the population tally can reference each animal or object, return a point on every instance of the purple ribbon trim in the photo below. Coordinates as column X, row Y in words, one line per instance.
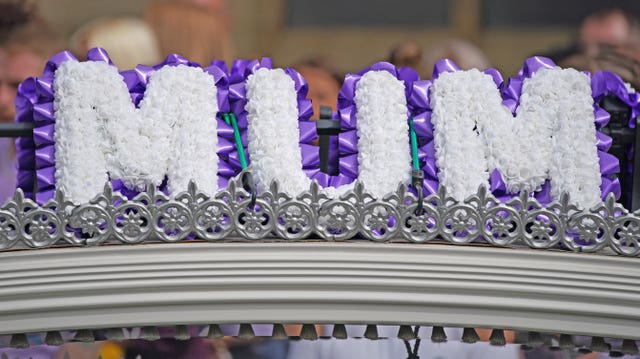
column 34, row 103
column 26, row 98
column 229, row 164
column 307, row 131
column 604, row 83
column 348, row 142
column 444, row 65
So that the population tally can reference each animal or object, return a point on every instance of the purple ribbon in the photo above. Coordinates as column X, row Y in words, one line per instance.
column 36, row 156
column 229, row 164
column 26, row 98
column 605, row 83
column 420, row 110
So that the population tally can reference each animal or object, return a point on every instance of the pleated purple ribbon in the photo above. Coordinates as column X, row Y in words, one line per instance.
column 26, row 98
column 34, row 103
column 42, row 159
column 229, row 164
column 605, row 83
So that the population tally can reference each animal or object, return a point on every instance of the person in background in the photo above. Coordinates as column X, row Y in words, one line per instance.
column 13, row 14
column 603, row 57
column 608, row 40
column 409, row 54
column 128, row 40
column 612, row 26
column 464, row 54
column 196, row 29
column 324, row 83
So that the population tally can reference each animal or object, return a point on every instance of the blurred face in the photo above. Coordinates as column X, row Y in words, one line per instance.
column 15, row 66
column 612, row 29
column 323, row 88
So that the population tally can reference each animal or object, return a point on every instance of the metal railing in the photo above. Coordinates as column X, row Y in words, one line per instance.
column 235, row 214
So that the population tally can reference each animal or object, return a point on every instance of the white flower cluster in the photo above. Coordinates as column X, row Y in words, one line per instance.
column 575, row 166
column 629, row 87
column 85, row 95
column 100, row 134
column 183, row 102
column 383, row 147
column 384, row 154
column 458, row 100
column 272, row 134
column 552, row 137
column 521, row 148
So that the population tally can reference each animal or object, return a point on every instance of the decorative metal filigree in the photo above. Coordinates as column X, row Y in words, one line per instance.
column 234, row 214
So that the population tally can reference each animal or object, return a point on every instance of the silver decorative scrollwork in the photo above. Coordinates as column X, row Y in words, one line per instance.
column 234, row 214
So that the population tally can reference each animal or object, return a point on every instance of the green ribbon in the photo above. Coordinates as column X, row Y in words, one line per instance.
column 414, row 146
column 230, row 119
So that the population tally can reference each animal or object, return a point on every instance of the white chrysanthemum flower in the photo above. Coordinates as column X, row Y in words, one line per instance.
column 383, row 145
column 100, row 134
column 384, row 153
column 91, row 101
column 272, row 133
column 553, row 135
column 458, row 102
column 183, row 102
column 575, row 165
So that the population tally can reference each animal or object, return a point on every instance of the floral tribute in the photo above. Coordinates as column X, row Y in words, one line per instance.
column 177, row 121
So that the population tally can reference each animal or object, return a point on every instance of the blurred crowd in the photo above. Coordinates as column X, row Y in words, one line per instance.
column 201, row 31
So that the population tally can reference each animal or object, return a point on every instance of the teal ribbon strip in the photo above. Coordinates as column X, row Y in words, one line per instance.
column 414, row 146
column 230, row 119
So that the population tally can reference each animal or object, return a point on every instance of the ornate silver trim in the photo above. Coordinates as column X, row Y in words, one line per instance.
column 153, row 216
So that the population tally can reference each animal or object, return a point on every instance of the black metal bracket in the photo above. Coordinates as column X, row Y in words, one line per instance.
column 623, row 137
column 326, row 128
column 22, row 129
column 417, row 182
column 249, row 185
